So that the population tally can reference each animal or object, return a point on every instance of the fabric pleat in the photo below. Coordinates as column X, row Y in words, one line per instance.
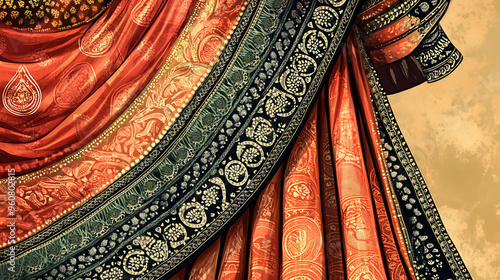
column 205, row 266
column 332, row 228
column 363, row 256
column 332, row 220
column 235, row 250
column 263, row 259
column 179, row 275
column 303, row 238
column 371, row 138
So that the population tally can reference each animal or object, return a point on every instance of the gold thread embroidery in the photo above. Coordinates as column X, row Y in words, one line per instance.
column 22, row 95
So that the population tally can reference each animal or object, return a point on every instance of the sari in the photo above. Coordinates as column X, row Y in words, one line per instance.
column 218, row 139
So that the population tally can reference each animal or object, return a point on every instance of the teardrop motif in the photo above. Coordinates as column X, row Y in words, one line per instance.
column 97, row 41
column 22, row 95
column 143, row 12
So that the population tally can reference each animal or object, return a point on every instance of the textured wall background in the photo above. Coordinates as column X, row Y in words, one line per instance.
column 453, row 129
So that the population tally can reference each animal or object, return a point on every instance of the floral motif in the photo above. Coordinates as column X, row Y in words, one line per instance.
column 135, row 262
column 326, row 18
column 236, row 173
column 176, row 234
column 22, row 95
column 210, row 196
column 112, row 274
column 193, row 215
column 293, row 83
column 262, row 131
column 280, row 104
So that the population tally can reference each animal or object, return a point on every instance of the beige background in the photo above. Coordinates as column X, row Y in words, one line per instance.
column 453, row 129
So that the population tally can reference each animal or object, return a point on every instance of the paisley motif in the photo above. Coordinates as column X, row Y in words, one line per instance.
column 135, row 262
column 193, row 215
column 262, row 132
column 326, row 18
column 292, row 82
column 314, row 42
column 75, row 85
column 157, row 250
column 236, row 173
column 214, row 193
column 280, row 104
column 304, row 65
column 97, row 41
column 144, row 11
column 22, row 95
column 176, row 234
column 250, row 153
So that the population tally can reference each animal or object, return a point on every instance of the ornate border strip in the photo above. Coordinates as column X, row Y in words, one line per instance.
column 410, row 183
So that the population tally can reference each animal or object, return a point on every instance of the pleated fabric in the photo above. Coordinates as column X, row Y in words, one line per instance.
column 324, row 215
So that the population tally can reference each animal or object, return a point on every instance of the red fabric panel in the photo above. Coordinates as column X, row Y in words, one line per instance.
column 363, row 256
column 205, row 266
column 372, row 138
column 179, row 275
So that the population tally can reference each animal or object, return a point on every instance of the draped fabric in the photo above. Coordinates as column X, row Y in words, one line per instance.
column 324, row 232
column 94, row 68
column 46, row 193
column 220, row 140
